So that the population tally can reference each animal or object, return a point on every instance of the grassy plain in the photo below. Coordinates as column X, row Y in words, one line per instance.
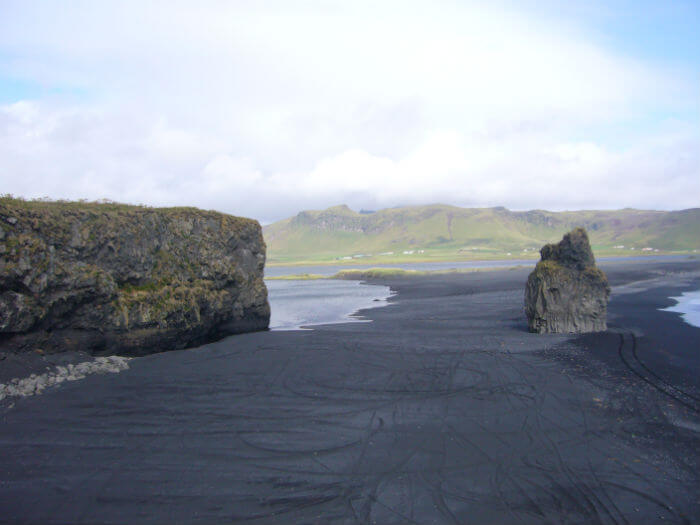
column 364, row 274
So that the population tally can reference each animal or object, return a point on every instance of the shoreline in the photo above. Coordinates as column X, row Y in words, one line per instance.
column 687, row 304
column 420, row 260
column 414, row 267
column 363, row 274
column 445, row 395
column 41, row 371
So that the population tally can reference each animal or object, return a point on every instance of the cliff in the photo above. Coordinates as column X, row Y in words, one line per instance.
column 566, row 292
column 441, row 232
column 111, row 278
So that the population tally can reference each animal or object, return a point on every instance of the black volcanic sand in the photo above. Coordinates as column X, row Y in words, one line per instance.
column 443, row 410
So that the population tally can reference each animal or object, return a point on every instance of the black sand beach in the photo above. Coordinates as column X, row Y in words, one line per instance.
column 443, row 410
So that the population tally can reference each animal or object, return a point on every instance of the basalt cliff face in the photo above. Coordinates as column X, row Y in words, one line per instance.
column 567, row 293
column 116, row 279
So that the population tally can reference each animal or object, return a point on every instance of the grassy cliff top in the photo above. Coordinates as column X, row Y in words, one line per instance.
column 41, row 206
column 52, row 217
column 138, row 249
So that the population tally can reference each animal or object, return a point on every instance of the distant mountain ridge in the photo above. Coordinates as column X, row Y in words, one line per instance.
column 446, row 232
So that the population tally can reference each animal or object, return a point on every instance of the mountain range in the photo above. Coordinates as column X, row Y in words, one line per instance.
column 442, row 232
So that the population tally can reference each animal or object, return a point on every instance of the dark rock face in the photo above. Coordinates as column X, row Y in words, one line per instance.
column 110, row 278
column 566, row 292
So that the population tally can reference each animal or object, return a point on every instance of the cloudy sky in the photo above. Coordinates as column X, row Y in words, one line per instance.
column 265, row 108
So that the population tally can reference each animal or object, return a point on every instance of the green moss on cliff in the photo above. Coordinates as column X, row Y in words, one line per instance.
column 43, row 214
column 110, row 266
column 132, row 289
column 552, row 271
column 82, row 205
column 594, row 274
column 547, row 268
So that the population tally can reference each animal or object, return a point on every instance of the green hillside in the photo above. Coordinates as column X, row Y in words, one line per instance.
column 440, row 232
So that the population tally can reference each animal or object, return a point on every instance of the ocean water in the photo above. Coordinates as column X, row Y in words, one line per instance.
column 297, row 304
column 688, row 306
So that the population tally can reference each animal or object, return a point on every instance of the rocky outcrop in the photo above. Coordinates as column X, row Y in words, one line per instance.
column 117, row 279
column 567, row 293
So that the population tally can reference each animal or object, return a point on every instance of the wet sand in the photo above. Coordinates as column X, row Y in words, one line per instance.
column 442, row 410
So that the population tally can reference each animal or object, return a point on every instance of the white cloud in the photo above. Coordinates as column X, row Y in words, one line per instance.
column 264, row 110
column 544, row 174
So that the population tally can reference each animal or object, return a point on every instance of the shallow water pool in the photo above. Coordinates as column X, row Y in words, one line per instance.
column 295, row 304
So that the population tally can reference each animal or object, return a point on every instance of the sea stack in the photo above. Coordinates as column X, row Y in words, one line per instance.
column 566, row 292
column 129, row 280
